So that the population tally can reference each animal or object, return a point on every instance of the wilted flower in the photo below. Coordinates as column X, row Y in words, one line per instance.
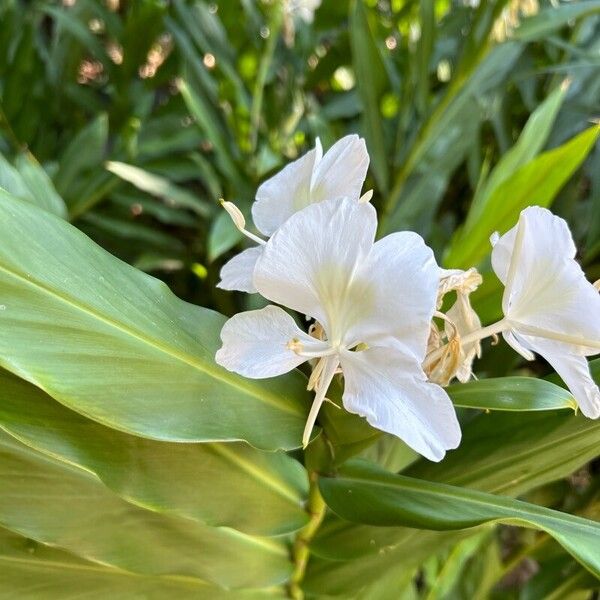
column 314, row 177
column 460, row 319
column 550, row 308
column 373, row 303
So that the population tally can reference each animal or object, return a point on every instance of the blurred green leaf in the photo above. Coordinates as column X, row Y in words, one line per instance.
column 222, row 237
column 370, row 80
column 85, row 151
column 552, row 18
column 536, row 183
column 40, row 185
column 158, row 186
column 28, row 180
column 530, row 142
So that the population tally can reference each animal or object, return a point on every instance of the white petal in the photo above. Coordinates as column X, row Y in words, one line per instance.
column 255, row 343
column 546, row 235
column 394, row 292
column 392, row 393
column 575, row 372
column 546, row 288
column 237, row 273
column 278, row 198
column 342, row 170
column 518, row 345
column 309, row 262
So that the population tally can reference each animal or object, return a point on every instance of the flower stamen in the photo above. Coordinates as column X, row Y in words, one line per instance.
column 240, row 221
column 328, row 370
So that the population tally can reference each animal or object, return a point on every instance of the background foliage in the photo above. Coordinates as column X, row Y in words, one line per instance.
column 129, row 120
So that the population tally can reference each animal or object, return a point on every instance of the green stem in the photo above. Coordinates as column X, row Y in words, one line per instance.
column 300, row 551
column 275, row 25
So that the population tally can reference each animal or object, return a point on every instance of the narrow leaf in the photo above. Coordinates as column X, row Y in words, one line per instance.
column 536, row 183
column 158, row 186
column 363, row 493
column 511, row 393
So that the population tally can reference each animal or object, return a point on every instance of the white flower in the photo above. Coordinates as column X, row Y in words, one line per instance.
column 550, row 308
column 312, row 178
column 304, row 9
column 374, row 302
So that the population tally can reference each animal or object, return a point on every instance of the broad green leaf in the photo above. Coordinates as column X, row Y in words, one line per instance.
column 256, row 492
column 536, row 183
column 363, row 493
column 29, row 571
column 124, row 350
column 60, row 505
column 158, row 186
column 370, row 78
column 511, row 393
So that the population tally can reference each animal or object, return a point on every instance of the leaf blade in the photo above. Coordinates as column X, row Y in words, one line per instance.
column 136, row 343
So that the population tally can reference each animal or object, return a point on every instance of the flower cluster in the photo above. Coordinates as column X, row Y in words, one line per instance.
column 375, row 306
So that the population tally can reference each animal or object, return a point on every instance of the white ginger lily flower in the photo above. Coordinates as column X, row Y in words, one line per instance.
column 374, row 302
column 550, row 308
column 304, row 9
column 314, row 177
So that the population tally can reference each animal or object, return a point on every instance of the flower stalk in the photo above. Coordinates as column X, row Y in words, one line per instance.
column 316, row 508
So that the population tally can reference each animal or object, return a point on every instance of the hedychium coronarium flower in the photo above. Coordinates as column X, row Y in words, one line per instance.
column 549, row 306
column 372, row 302
column 314, row 177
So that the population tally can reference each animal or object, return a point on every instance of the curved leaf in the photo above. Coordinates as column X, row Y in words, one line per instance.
column 116, row 345
column 536, row 182
column 511, row 394
column 363, row 493
column 156, row 185
column 61, row 505
column 231, row 485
